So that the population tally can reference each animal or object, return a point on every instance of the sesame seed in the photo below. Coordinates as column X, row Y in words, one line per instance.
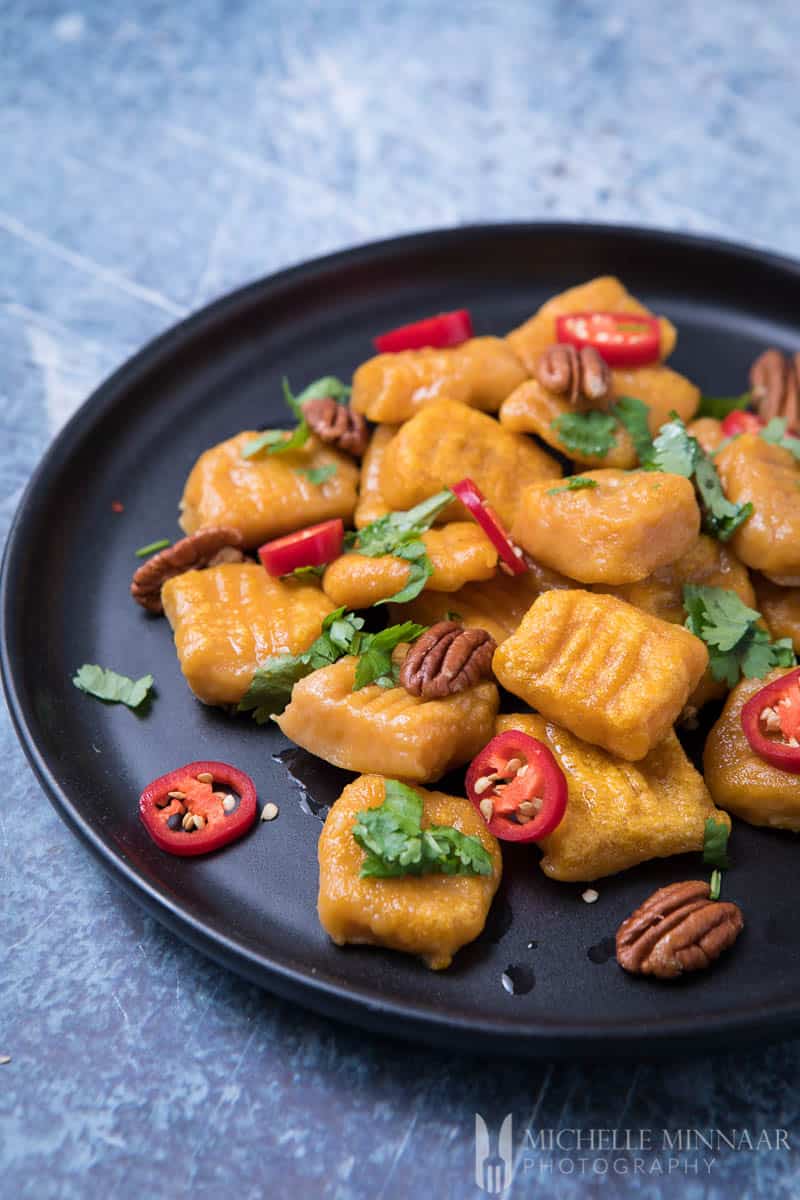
column 229, row 803
column 205, row 777
column 269, row 812
column 590, row 896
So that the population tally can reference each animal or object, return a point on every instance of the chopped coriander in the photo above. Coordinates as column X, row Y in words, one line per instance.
column 720, row 406
column 634, row 414
column 716, row 884
column 329, row 385
column 400, row 533
column 736, row 644
column 591, row 434
column 278, row 441
column 152, row 547
column 375, row 664
column 396, row 844
column 318, row 475
column 676, row 452
column 299, row 572
column 342, row 633
column 775, row 432
column 574, row 484
column 715, row 843
column 107, row 685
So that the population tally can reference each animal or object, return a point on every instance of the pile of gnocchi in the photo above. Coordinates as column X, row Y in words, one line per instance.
column 554, row 518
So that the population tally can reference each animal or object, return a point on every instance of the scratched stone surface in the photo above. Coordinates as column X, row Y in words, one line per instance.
column 155, row 156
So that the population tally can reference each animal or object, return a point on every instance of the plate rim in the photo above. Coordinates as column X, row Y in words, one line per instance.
column 532, row 1038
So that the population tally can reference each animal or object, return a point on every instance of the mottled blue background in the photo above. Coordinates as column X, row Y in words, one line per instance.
column 154, row 156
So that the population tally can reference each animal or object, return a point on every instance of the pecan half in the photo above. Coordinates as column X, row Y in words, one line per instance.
column 447, row 659
column 677, row 929
column 583, row 376
column 775, row 385
column 337, row 424
column 206, row 548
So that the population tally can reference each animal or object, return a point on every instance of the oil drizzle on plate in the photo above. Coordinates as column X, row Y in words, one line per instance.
column 319, row 784
column 518, row 980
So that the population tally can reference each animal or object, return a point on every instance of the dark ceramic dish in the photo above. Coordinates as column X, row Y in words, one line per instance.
column 252, row 906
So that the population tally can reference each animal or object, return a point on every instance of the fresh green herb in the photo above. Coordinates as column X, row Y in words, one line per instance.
column 775, row 432
column 634, row 415
column 673, row 450
column 721, row 517
column 715, row 844
column 107, row 685
column 574, row 484
column 318, row 475
column 375, row 664
column 342, row 633
column 299, row 572
column 396, row 844
column 677, row 453
column 736, row 644
column 278, row 441
column 151, row 547
column 591, row 434
column 720, row 407
column 716, row 884
column 400, row 533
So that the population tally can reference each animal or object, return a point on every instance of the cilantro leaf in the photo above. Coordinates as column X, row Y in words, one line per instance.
column 399, row 533
column 318, row 475
column 375, row 663
column 715, row 844
column 775, row 432
column 715, row 885
column 299, row 572
column 574, row 484
column 591, row 434
column 329, row 385
column 396, row 844
column 673, row 451
column 677, row 453
column 634, row 415
column 278, row 441
column 107, row 685
column 736, row 644
column 720, row 407
column 152, row 547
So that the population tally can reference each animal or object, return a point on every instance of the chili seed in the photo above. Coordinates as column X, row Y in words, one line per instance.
column 205, row 777
column 4, row 1058
column 188, row 821
column 590, row 896
column 177, row 795
column 523, row 771
column 269, row 812
column 770, row 720
column 487, row 809
column 512, row 766
column 482, row 784
column 174, row 822
column 229, row 803
column 199, row 821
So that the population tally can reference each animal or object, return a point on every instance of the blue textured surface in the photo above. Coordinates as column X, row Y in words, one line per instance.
column 155, row 156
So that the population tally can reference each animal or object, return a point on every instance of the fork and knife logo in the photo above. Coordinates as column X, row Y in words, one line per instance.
column 493, row 1170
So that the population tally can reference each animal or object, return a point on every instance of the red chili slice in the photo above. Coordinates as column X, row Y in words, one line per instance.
column 473, row 499
column 742, row 422
column 167, row 804
column 312, row 547
column 518, row 787
column 446, row 329
column 622, row 339
column 771, row 722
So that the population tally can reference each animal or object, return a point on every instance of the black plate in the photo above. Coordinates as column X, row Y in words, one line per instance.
column 252, row 906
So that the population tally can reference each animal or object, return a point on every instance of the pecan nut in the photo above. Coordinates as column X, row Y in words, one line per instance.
column 447, row 659
column 583, row 376
column 677, row 929
column 775, row 386
column 206, row 548
column 337, row 424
